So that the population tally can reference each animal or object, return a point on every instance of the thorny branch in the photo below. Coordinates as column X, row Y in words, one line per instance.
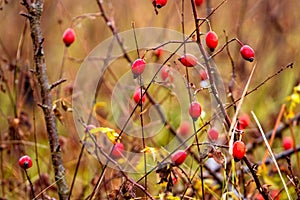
column 256, row 180
column 34, row 15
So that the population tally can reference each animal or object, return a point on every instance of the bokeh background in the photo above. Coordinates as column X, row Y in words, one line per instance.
column 271, row 27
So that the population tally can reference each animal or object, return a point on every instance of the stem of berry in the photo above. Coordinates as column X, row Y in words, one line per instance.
column 190, row 96
column 30, row 183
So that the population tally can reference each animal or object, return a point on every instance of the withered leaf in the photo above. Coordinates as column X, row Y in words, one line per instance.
column 218, row 157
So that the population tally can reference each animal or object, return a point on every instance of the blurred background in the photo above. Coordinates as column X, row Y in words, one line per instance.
column 270, row 27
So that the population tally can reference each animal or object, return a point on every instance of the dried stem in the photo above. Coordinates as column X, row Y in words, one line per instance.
column 256, row 180
column 110, row 25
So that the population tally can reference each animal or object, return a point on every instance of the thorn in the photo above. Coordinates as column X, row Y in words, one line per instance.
column 26, row 15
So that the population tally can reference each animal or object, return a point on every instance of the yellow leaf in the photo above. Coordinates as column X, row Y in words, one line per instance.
column 110, row 133
column 99, row 105
column 289, row 115
column 295, row 98
column 263, row 171
column 151, row 150
column 297, row 88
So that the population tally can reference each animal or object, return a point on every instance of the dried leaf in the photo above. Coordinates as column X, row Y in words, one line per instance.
column 58, row 114
column 64, row 105
column 218, row 157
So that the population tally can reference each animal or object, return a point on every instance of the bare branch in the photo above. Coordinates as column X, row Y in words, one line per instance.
column 53, row 85
column 35, row 11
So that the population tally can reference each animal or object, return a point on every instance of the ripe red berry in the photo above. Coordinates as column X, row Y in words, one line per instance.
column 118, row 150
column 247, row 53
column 238, row 150
column 259, row 197
column 174, row 180
column 244, row 121
column 198, row 2
column 203, row 75
column 184, row 128
column 178, row 157
column 275, row 193
column 287, row 143
column 195, row 110
column 138, row 67
column 137, row 95
column 158, row 52
column 25, row 162
column 166, row 74
column 188, row 60
column 211, row 40
column 213, row 134
column 69, row 36
column 159, row 3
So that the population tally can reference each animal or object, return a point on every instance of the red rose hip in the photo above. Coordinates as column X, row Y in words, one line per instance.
column 247, row 53
column 199, row 2
column 159, row 3
column 203, row 75
column 178, row 157
column 238, row 150
column 213, row 134
column 137, row 96
column 244, row 121
column 25, row 162
column 188, row 60
column 287, row 143
column 118, row 150
column 69, row 36
column 211, row 40
column 166, row 74
column 184, row 128
column 138, row 67
column 158, row 52
column 195, row 110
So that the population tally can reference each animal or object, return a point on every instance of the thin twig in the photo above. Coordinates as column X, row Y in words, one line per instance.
column 30, row 183
column 256, row 180
column 290, row 65
column 281, row 155
column 111, row 26
column 274, row 131
column 57, row 83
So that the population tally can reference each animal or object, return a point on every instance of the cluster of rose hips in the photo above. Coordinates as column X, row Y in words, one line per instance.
column 211, row 39
column 188, row 60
